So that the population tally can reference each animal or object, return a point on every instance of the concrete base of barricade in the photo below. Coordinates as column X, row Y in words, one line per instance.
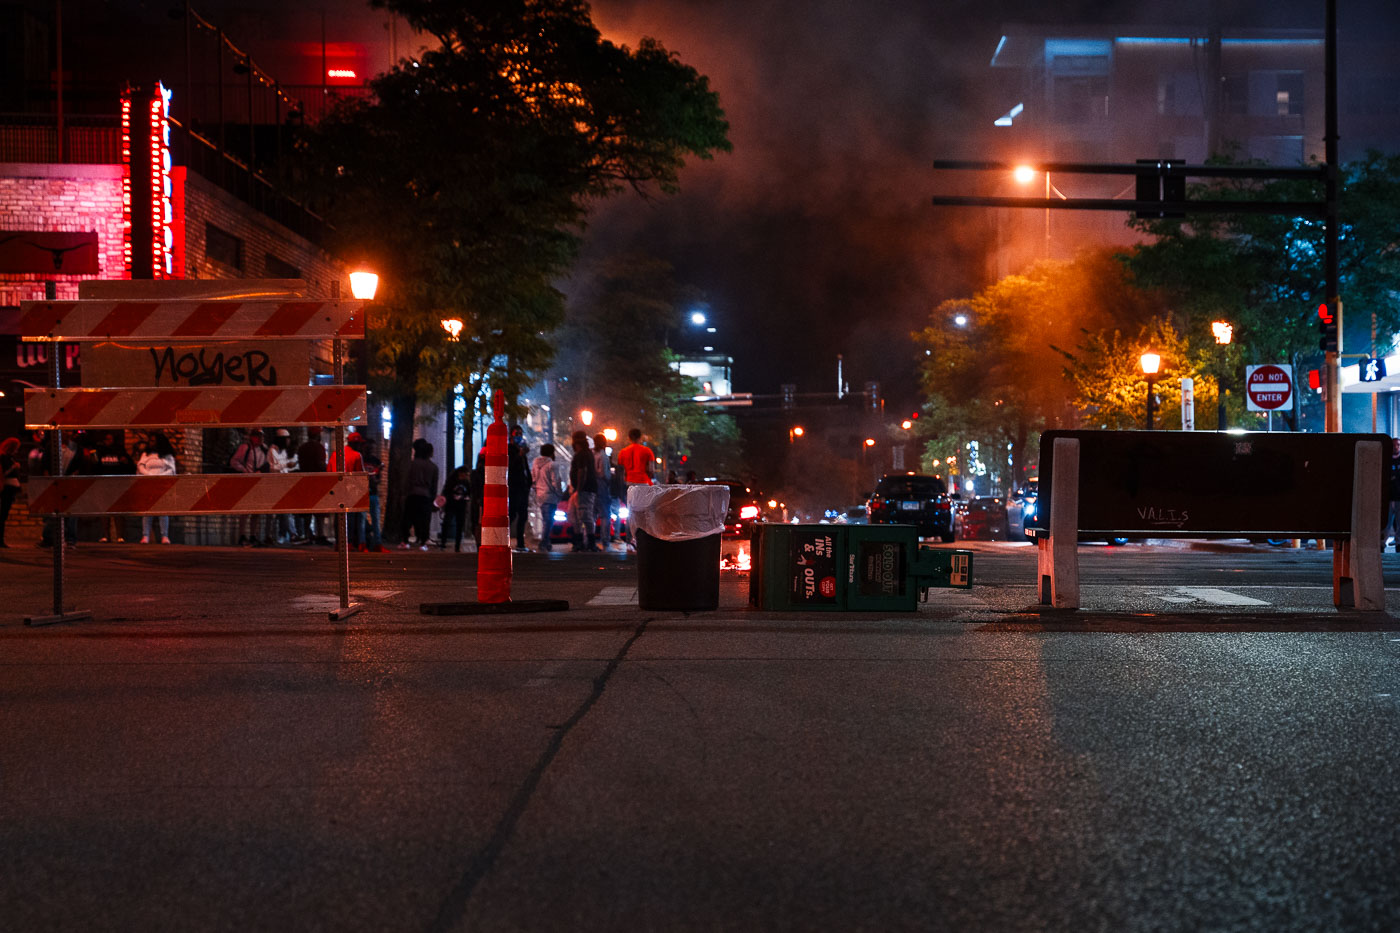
column 506, row 608
column 345, row 612
column 61, row 617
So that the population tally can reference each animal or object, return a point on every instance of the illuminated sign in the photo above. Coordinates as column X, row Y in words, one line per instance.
column 1372, row 369
column 341, row 73
column 148, row 208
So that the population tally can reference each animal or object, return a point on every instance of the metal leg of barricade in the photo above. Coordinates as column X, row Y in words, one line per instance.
column 342, row 524
column 60, row 541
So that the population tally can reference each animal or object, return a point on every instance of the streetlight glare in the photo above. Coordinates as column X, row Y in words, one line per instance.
column 1223, row 332
column 363, row 284
column 586, row 417
column 610, row 434
column 697, row 318
column 798, row 430
column 451, row 325
column 960, row 320
column 906, row 424
column 870, row 442
column 1151, row 362
column 1024, row 174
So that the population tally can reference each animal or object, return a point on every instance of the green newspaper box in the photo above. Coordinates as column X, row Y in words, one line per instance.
column 849, row 567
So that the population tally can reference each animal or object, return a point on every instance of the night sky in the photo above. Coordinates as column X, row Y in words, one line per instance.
column 815, row 236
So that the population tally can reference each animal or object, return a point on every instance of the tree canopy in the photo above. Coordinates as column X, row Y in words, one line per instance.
column 466, row 176
column 994, row 364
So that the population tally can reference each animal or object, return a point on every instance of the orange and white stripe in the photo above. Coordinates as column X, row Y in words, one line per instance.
column 200, row 494
column 189, row 321
column 493, row 559
column 81, row 409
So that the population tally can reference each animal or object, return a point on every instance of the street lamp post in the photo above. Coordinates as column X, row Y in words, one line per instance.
column 1223, row 333
column 1151, row 365
column 1024, row 175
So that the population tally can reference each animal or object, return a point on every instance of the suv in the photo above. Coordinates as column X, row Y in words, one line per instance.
column 913, row 499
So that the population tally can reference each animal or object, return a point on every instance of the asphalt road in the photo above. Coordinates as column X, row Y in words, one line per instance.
column 1209, row 745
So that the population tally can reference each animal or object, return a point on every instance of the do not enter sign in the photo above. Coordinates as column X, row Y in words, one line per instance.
column 1268, row 387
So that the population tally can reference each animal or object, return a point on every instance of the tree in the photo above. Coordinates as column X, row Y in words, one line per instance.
column 1110, row 389
column 468, row 174
column 1265, row 274
column 993, row 364
column 614, row 360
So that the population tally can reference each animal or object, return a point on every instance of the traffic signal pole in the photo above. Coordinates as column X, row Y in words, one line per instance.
column 1332, row 388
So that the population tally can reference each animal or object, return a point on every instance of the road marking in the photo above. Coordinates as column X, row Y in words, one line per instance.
column 1218, row 597
column 1176, row 599
column 318, row 601
column 615, row 596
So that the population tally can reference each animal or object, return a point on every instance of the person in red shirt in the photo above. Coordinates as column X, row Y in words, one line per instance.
column 636, row 461
column 354, row 463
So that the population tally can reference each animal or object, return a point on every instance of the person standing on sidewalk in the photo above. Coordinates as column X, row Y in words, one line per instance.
column 113, row 460
column 637, row 463
column 549, row 489
column 420, row 485
column 518, row 484
column 604, row 468
column 583, row 477
column 311, row 458
column 1391, row 525
column 250, row 457
column 281, row 528
column 373, row 468
column 158, row 460
column 10, row 470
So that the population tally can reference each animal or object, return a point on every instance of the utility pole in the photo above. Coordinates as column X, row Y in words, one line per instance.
column 1331, row 391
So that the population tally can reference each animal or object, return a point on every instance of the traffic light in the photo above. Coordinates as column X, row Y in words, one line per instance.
column 1160, row 180
column 1326, row 329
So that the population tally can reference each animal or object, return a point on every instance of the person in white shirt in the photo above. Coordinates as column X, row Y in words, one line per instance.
column 158, row 460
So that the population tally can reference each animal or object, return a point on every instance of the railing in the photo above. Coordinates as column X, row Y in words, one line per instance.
column 87, row 139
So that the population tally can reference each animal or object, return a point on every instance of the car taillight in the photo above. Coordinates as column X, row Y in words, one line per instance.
column 748, row 511
column 941, row 506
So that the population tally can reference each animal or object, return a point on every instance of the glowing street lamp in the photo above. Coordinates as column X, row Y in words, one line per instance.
column 906, row 424
column 586, row 416
column 794, row 432
column 697, row 318
column 1151, row 362
column 453, row 326
column 610, row 434
column 364, row 284
column 870, row 442
column 1223, row 334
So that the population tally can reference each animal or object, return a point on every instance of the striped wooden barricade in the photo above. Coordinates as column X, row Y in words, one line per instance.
column 193, row 322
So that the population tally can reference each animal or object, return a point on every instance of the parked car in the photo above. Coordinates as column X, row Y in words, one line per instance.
column 982, row 519
column 913, row 499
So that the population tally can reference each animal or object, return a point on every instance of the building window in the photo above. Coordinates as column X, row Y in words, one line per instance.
column 1288, row 93
column 278, row 268
column 223, row 247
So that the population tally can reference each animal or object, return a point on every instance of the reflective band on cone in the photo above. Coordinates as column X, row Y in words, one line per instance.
column 493, row 560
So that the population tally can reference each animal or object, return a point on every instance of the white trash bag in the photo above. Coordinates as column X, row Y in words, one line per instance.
column 678, row 513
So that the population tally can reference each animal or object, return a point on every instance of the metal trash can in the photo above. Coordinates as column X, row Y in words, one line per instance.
column 678, row 545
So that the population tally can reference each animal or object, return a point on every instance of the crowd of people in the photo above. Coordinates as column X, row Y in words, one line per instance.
column 587, row 487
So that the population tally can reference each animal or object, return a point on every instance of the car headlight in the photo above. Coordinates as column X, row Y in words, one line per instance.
column 560, row 516
column 622, row 511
